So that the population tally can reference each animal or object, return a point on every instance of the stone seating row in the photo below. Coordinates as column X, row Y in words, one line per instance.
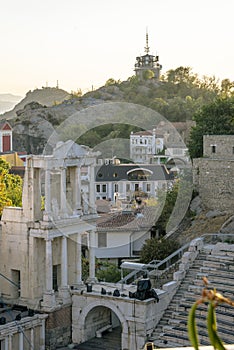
column 173, row 326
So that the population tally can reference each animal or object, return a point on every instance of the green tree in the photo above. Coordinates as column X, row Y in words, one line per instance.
column 169, row 199
column 217, row 118
column 112, row 81
column 107, row 272
column 157, row 249
column 227, row 88
column 10, row 187
column 148, row 74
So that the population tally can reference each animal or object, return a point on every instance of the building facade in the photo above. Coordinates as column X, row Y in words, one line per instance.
column 121, row 181
column 144, row 145
column 5, row 137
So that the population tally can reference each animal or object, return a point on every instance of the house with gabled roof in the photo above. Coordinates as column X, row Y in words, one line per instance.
column 5, row 137
column 121, row 181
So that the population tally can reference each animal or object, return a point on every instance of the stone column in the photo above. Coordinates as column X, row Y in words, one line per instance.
column 64, row 261
column 49, row 265
column 21, row 341
column 92, row 245
column 78, row 190
column 63, row 197
column 6, row 343
column 49, row 296
column 63, row 290
column 32, row 338
column 79, row 282
column 42, row 335
column 47, row 194
column 10, row 342
column 92, row 206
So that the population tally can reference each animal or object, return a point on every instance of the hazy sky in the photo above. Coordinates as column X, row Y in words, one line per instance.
column 82, row 43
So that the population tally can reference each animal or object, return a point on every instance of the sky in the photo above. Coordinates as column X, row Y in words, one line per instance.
column 83, row 43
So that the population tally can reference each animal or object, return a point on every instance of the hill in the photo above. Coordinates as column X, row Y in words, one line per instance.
column 8, row 101
column 177, row 96
column 47, row 96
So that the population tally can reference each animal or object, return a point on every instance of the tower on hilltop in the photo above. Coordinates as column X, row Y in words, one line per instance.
column 148, row 63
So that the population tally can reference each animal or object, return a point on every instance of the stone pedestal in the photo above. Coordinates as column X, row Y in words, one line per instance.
column 65, row 295
column 49, row 301
column 79, row 285
column 92, row 280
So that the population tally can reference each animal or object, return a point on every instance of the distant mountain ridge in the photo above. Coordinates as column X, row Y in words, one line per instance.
column 8, row 101
column 47, row 96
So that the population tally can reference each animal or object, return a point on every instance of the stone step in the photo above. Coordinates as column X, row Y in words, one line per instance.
column 218, row 268
column 210, row 271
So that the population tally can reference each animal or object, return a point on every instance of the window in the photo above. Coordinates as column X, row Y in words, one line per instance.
column 116, row 188
column 102, row 241
column 56, row 277
column 232, row 149
column 127, row 187
column 104, row 188
column 98, row 189
column 213, row 149
column 148, row 188
column 15, row 276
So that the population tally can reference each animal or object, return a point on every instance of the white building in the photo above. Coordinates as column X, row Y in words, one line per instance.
column 121, row 235
column 121, row 181
column 144, row 145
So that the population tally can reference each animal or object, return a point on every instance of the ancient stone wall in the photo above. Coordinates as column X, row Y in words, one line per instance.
column 213, row 179
column 58, row 328
column 218, row 146
column 214, row 173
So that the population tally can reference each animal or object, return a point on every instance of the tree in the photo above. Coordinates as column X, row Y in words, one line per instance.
column 112, row 81
column 148, row 74
column 108, row 272
column 10, row 187
column 157, row 249
column 169, row 203
column 216, row 118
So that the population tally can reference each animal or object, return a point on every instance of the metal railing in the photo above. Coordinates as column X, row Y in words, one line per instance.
column 9, row 280
column 154, row 266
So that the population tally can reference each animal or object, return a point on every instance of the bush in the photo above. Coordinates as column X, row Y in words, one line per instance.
column 108, row 272
column 157, row 249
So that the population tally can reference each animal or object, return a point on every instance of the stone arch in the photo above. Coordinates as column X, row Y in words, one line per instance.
column 110, row 305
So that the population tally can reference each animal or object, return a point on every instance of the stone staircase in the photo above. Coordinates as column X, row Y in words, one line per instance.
column 216, row 262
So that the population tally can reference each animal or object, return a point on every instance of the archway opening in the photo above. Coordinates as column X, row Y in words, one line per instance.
column 102, row 328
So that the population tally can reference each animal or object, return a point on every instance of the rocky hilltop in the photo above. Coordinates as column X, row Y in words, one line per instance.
column 47, row 96
column 42, row 110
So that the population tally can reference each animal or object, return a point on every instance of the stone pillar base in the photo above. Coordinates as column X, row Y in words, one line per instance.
column 77, row 212
column 92, row 280
column 64, row 294
column 48, row 300
column 79, row 285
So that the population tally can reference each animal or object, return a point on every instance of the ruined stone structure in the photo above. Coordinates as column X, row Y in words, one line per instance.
column 40, row 248
column 214, row 173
